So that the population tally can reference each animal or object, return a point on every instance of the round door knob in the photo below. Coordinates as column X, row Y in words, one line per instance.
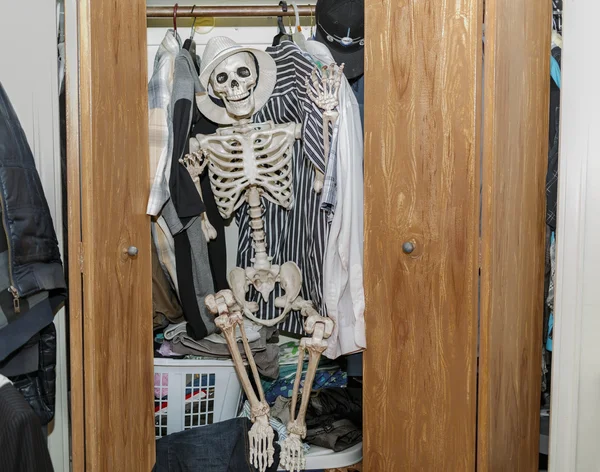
column 408, row 247
column 132, row 251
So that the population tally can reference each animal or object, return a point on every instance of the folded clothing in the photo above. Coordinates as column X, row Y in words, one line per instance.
column 334, row 418
column 253, row 331
column 265, row 353
column 328, row 375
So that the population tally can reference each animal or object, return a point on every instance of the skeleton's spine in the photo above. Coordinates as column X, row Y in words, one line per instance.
column 261, row 260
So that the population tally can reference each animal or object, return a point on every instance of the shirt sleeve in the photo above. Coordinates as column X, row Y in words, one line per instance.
column 312, row 115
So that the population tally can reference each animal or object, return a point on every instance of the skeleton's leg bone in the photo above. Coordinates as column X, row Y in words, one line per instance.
column 297, row 381
column 292, row 452
column 252, row 363
column 261, row 434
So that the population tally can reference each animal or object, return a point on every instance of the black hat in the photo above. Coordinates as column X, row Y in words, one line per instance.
column 341, row 27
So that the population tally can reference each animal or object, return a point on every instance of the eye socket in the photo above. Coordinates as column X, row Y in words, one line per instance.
column 222, row 78
column 243, row 72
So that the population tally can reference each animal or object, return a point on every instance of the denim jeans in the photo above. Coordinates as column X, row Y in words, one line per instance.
column 219, row 447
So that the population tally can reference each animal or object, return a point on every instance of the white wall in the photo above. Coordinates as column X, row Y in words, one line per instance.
column 575, row 420
column 28, row 72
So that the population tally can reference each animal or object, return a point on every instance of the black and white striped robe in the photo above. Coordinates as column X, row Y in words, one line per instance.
column 298, row 234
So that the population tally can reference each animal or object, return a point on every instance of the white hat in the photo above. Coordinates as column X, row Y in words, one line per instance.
column 217, row 50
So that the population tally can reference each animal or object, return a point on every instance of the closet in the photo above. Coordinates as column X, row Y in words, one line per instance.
column 456, row 138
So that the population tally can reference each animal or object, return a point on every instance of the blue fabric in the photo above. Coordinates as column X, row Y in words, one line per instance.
column 555, row 71
column 328, row 375
column 218, row 447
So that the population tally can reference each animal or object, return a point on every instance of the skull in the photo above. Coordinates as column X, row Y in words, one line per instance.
column 233, row 81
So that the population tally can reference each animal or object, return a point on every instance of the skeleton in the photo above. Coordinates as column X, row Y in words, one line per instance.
column 292, row 452
column 326, row 99
column 261, row 434
column 249, row 161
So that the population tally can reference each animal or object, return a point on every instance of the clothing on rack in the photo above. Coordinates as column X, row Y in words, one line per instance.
column 32, row 283
column 160, row 88
column 165, row 304
column 192, row 268
column 37, row 382
column 191, row 251
column 552, row 173
column 218, row 447
column 24, row 447
column 300, row 233
column 217, row 250
column 343, row 288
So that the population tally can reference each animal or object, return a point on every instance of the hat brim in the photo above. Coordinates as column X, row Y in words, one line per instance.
column 353, row 60
column 267, row 78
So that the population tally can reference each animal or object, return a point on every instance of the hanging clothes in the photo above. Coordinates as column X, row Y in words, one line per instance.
column 217, row 248
column 180, row 242
column 343, row 288
column 552, row 173
column 160, row 121
column 300, row 233
column 182, row 212
column 24, row 446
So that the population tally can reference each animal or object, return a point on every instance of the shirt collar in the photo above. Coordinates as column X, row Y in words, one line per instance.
column 171, row 43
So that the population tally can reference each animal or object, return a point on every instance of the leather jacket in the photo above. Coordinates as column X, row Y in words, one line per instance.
column 32, row 283
column 34, row 258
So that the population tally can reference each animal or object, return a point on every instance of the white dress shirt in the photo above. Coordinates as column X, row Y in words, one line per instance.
column 343, row 289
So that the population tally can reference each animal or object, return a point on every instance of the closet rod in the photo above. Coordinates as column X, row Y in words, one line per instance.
column 227, row 11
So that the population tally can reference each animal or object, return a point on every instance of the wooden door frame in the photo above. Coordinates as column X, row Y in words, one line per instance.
column 107, row 121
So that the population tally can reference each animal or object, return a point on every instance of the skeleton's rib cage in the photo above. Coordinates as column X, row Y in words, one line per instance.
column 254, row 154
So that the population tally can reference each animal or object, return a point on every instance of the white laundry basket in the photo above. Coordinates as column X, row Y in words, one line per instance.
column 192, row 393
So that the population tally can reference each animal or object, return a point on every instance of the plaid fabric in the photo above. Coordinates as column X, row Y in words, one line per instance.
column 165, row 248
column 329, row 192
column 160, row 121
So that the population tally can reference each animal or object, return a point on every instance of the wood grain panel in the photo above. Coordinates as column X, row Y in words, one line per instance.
column 517, row 54
column 117, row 325
column 421, row 183
column 75, row 301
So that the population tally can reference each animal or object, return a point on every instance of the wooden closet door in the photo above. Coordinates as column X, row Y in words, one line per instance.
column 111, row 324
column 422, row 156
column 515, row 154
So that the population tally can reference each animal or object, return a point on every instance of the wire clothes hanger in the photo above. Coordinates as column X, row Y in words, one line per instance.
column 298, row 35
column 281, row 34
column 190, row 45
column 175, row 18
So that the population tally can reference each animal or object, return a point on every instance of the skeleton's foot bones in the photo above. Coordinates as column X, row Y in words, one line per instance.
column 261, row 435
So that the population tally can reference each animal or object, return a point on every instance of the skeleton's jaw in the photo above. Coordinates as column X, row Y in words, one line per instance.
column 240, row 106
